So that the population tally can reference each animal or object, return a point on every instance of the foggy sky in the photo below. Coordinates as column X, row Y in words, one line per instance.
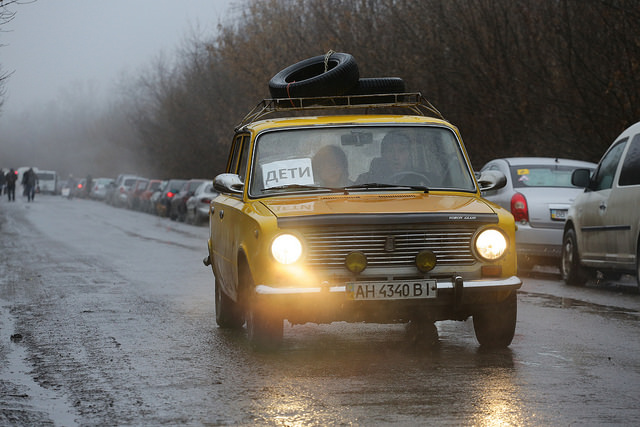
column 53, row 45
column 66, row 53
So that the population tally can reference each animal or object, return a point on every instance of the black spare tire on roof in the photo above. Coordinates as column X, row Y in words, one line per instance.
column 322, row 75
column 378, row 85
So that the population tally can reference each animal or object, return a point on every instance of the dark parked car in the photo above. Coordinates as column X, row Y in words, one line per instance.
column 163, row 205
column 179, row 201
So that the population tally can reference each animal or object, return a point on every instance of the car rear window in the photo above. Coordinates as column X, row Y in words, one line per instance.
column 542, row 176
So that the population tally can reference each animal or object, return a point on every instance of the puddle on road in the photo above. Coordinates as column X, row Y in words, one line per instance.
column 552, row 301
column 35, row 398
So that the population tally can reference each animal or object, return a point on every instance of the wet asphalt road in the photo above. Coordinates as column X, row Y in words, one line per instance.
column 106, row 317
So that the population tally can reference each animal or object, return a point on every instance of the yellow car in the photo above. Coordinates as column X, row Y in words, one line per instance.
column 358, row 217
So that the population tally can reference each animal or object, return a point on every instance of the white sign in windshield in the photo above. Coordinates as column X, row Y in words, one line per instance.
column 287, row 172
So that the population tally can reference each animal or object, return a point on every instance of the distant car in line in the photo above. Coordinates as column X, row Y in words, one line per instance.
column 178, row 210
column 122, row 186
column 134, row 193
column 163, row 204
column 99, row 188
column 538, row 194
column 199, row 204
column 145, row 196
column 602, row 232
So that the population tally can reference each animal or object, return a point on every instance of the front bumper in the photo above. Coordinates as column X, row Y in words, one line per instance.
column 456, row 300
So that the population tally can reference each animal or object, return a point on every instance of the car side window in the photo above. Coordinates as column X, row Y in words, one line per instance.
column 630, row 173
column 244, row 157
column 603, row 178
column 235, row 153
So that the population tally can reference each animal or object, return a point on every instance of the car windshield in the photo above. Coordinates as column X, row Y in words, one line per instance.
column 363, row 158
column 542, row 176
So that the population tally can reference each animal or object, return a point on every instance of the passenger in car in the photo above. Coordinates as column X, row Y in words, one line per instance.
column 330, row 167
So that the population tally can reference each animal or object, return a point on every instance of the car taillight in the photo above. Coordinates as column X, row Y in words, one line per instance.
column 170, row 194
column 519, row 208
column 79, row 186
column 207, row 201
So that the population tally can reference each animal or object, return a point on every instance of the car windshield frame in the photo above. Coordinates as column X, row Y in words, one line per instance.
column 383, row 157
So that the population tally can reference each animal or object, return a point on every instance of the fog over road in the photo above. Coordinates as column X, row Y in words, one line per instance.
column 106, row 317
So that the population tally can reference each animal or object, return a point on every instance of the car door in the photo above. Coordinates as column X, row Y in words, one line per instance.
column 593, row 207
column 226, row 224
column 621, row 214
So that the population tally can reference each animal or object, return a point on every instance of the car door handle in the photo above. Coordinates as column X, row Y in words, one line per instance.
column 221, row 213
column 603, row 206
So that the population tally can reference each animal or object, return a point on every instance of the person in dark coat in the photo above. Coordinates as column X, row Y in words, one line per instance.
column 29, row 181
column 3, row 181
column 11, row 177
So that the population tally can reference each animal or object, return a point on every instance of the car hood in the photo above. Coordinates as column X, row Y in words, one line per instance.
column 383, row 206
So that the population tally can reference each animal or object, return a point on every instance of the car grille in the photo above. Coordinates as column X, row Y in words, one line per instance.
column 392, row 247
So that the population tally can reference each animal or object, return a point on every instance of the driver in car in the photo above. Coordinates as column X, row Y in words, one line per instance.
column 395, row 152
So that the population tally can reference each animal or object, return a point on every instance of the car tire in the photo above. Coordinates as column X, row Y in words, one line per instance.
column 495, row 325
column 572, row 271
column 264, row 329
column 264, row 326
column 229, row 314
column 378, row 85
column 308, row 78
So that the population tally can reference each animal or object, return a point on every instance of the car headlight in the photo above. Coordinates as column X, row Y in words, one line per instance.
column 491, row 244
column 286, row 248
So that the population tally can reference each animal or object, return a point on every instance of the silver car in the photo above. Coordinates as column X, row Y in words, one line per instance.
column 538, row 194
column 603, row 226
column 198, row 204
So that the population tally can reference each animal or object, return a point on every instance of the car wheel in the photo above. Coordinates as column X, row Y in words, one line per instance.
column 309, row 77
column 264, row 326
column 229, row 314
column 572, row 272
column 495, row 325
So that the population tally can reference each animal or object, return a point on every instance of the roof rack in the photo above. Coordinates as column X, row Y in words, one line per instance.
column 414, row 101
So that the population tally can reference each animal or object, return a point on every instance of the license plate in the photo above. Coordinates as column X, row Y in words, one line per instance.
column 558, row 214
column 415, row 289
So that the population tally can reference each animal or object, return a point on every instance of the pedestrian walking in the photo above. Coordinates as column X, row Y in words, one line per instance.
column 11, row 177
column 3, row 182
column 29, row 181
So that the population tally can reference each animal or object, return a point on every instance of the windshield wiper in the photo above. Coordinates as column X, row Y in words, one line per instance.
column 379, row 185
column 306, row 187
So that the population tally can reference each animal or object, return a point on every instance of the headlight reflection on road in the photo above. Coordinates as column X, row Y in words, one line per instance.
column 498, row 403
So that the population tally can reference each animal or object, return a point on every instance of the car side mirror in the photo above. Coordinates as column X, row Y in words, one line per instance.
column 581, row 178
column 228, row 183
column 491, row 180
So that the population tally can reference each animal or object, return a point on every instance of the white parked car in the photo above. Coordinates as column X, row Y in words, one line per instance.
column 47, row 181
column 602, row 232
column 538, row 194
